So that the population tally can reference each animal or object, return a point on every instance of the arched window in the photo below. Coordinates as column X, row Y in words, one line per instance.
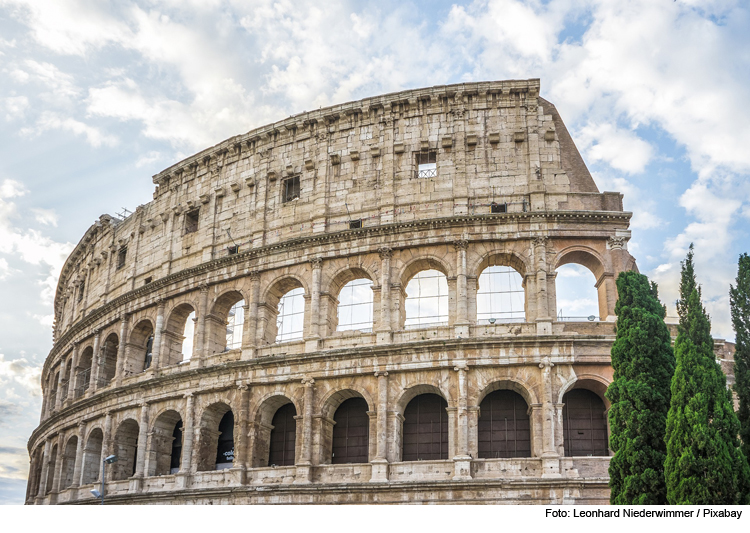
column 578, row 298
column 187, row 333
column 166, row 444
column 69, row 461
column 149, row 352
column 500, row 296
column 355, row 306
column 291, row 316
column 225, row 447
column 126, row 449
column 235, row 321
column 283, row 436
column 425, row 429
column 351, row 432
column 83, row 372
column 504, row 429
column 109, row 353
column 92, row 456
column 584, row 424
column 426, row 300
column 51, row 469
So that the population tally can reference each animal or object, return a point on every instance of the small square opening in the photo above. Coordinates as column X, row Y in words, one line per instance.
column 355, row 224
column 290, row 189
column 191, row 221
column 233, row 250
column 427, row 164
column 148, row 280
column 121, row 255
column 498, row 208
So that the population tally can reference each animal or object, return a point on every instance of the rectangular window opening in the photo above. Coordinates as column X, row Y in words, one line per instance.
column 233, row 250
column 291, row 189
column 191, row 221
column 426, row 164
column 498, row 208
column 81, row 289
column 148, row 280
column 355, row 224
column 121, row 255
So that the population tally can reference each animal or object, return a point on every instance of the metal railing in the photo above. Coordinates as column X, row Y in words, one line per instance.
column 427, row 173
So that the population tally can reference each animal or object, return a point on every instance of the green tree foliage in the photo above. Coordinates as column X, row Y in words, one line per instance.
column 704, row 463
column 739, row 298
column 643, row 362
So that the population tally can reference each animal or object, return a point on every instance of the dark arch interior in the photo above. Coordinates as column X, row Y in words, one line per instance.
column 176, row 455
column 504, row 428
column 584, row 424
column 425, row 429
column 283, row 436
column 225, row 448
column 351, row 432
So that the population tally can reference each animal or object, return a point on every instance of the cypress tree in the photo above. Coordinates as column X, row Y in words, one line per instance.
column 643, row 364
column 704, row 464
column 739, row 298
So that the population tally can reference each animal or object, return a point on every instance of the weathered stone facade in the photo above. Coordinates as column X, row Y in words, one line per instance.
column 129, row 286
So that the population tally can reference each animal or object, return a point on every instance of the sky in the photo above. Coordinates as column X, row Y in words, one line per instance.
column 98, row 96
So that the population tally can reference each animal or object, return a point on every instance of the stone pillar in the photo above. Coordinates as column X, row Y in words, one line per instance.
column 45, row 470
column 122, row 348
column 384, row 335
column 72, row 381
column 200, row 328
column 543, row 319
column 57, row 480
column 304, row 467
column 462, row 460
column 142, row 442
column 312, row 341
column 94, row 376
column 187, row 442
column 550, row 457
column 156, row 347
column 60, row 379
column 380, row 463
column 473, row 417
column 241, row 457
column 250, row 327
column 79, row 455
column 461, row 326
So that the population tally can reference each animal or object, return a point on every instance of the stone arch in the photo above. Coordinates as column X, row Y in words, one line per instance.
column 338, row 281
column 138, row 351
column 446, row 306
column 595, row 383
column 596, row 264
column 268, row 307
column 218, row 318
column 504, row 427
column 328, row 408
column 126, row 449
column 108, row 366
column 166, row 442
column 83, row 371
column 425, row 428
column 92, row 456
column 585, row 428
column 35, row 474
column 209, row 434
column 424, row 262
column 415, row 390
column 512, row 259
column 512, row 384
column 174, row 333
column 51, row 468
column 268, row 406
column 69, row 462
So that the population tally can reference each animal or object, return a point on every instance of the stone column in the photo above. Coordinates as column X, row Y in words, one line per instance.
column 312, row 341
column 250, row 328
column 241, row 461
column 200, row 329
column 462, row 460
column 156, row 347
column 187, row 442
column 79, row 455
column 106, row 445
column 461, row 325
column 122, row 348
column 142, row 442
column 57, row 480
column 72, row 379
column 384, row 335
column 94, row 376
column 304, row 467
column 60, row 379
column 543, row 320
column 380, row 463
column 550, row 457
column 45, row 470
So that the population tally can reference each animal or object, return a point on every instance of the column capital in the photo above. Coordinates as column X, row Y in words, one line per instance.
column 188, row 395
column 317, row 262
column 254, row 275
column 461, row 244
column 546, row 363
column 461, row 367
column 540, row 240
column 381, row 374
column 385, row 252
column 203, row 287
column 161, row 302
column 125, row 317
column 308, row 382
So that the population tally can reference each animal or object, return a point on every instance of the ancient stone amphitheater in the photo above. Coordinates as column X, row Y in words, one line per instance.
column 352, row 305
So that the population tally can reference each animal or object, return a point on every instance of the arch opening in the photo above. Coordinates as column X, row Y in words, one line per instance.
column 216, row 445
column 501, row 296
column 109, row 358
column 283, row 436
column 504, row 429
column 69, row 462
column 290, row 316
column 126, row 449
column 139, row 349
column 178, row 337
column 225, row 323
column 426, row 303
column 425, row 429
column 355, row 308
column 92, row 455
column 83, row 372
column 51, row 469
column 351, row 432
column 584, row 424
column 166, row 444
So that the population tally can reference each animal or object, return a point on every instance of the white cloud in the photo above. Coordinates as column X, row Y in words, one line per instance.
column 47, row 217
column 5, row 269
column 53, row 121
column 621, row 149
column 10, row 189
column 15, row 107
column 20, row 373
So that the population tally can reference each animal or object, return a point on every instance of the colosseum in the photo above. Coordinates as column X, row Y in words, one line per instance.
column 352, row 305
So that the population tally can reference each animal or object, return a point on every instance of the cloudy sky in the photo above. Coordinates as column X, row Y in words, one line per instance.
column 98, row 96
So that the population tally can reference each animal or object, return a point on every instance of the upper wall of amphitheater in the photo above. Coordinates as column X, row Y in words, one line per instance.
column 492, row 143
